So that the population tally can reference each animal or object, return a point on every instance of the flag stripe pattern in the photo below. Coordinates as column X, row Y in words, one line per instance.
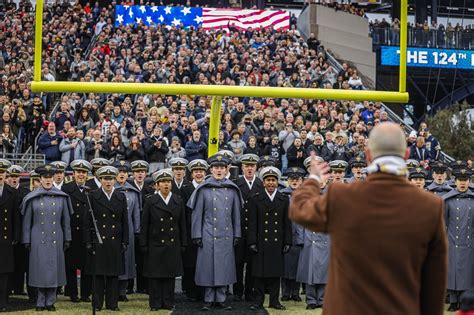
column 207, row 18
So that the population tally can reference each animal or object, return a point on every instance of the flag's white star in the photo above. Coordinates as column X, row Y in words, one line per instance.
column 198, row 19
column 126, row 7
column 142, row 8
column 130, row 13
column 176, row 22
column 120, row 18
column 168, row 10
column 186, row 11
column 161, row 18
column 154, row 8
column 148, row 19
column 139, row 20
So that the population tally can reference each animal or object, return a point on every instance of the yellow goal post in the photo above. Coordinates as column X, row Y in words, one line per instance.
column 219, row 91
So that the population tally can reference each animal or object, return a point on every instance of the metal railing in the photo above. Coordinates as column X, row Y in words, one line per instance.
column 29, row 160
column 418, row 37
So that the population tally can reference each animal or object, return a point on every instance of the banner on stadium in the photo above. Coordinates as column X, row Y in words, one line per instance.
column 207, row 18
column 429, row 57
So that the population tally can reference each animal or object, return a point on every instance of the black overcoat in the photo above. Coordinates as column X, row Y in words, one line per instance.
column 10, row 225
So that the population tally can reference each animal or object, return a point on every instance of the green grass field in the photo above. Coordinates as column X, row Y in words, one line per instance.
column 138, row 304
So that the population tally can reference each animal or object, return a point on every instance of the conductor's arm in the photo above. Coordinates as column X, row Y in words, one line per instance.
column 435, row 268
column 309, row 208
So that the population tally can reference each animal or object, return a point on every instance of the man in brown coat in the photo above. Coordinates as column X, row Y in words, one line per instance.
column 389, row 252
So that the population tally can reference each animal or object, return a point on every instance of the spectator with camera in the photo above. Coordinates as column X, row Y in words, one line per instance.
column 63, row 115
column 7, row 141
column 71, row 147
column 116, row 149
column 156, row 148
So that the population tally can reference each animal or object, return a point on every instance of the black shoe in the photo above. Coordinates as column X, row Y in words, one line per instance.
column 285, row 298
column 60, row 291
column 3, row 309
column 311, row 307
column 278, row 307
column 86, row 300
column 40, row 308
column 206, row 307
column 154, row 309
column 256, row 307
column 115, row 309
column 223, row 306
column 123, row 298
column 237, row 298
column 296, row 298
column 98, row 309
column 51, row 308
column 169, row 308
column 75, row 299
column 453, row 307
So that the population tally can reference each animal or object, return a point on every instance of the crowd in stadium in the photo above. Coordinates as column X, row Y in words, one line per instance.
column 146, row 134
column 423, row 34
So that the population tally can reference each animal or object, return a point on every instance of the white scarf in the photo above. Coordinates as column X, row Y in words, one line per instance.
column 389, row 164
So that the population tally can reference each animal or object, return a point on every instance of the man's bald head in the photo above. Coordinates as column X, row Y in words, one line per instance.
column 386, row 139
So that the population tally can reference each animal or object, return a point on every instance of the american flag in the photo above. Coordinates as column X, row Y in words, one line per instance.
column 207, row 18
column 244, row 19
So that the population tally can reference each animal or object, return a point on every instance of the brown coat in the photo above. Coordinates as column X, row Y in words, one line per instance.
column 388, row 245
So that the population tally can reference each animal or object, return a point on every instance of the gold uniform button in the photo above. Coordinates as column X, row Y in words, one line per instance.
column 215, row 198
column 314, row 242
column 5, row 237
column 5, row 228
column 215, row 219
column 215, row 238
column 266, row 214
column 227, row 228
column 54, row 204
column 266, row 231
column 276, row 231
column 266, row 222
column 213, row 189
column 276, row 213
column 171, row 229
column 6, row 219
column 113, row 237
column 42, row 223
column 54, row 232
column 103, row 226
column 103, row 237
column 215, row 229
column 276, row 240
column 42, row 204
column 172, row 240
column 215, row 209
column 42, row 213
column 54, row 242
column 266, row 239
column 276, row 222
column 161, row 219
column 54, row 222
column 246, row 210
column 77, row 216
column 78, row 205
column 6, row 210
column 162, row 241
column 226, row 198
column 113, row 215
column 171, row 219
column 54, row 213
column 246, row 219
column 104, row 215
column 246, row 228
column 77, row 228
column 42, row 232
column 162, row 230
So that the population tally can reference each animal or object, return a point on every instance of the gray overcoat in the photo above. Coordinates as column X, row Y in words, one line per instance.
column 46, row 226
column 133, row 197
column 216, row 220
column 290, row 264
column 459, row 218
column 314, row 256
column 439, row 190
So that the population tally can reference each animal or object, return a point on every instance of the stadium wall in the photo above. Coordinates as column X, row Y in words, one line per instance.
column 346, row 35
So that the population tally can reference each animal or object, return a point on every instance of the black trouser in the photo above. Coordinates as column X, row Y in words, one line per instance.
column 3, row 289
column 71, row 286
column 141, row 281
column 272, row 284
column 161, row 292
column 244, row 283
column 189, row 285
column 108, row 286
column 16, row 282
